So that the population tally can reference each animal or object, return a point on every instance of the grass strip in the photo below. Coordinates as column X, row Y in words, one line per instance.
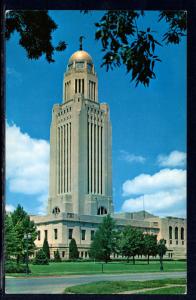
column 78, row 268
column 167, row 290
column 113, row 287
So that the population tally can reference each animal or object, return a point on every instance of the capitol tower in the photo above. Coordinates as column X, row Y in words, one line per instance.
column 80, row 144
column 80, row 183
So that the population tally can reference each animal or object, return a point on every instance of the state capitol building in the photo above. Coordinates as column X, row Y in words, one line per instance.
column 80, row 184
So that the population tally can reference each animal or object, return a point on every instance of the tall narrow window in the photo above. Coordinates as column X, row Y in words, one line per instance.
column 170, row 232
column 176, row 233
column 79, row 85
column 65, row 92
column 82, row 86
column 83, row 235
column 55, row 234
column 39, row 235
column 70, row 233
column 92, row 234
column 46, row 234
column 182, row 233
column 75, row 85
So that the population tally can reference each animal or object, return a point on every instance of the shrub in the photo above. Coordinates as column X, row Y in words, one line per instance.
column 57, row 257
column 13, row 267
column 40, row 258
column 73, row 250
column 46, row 248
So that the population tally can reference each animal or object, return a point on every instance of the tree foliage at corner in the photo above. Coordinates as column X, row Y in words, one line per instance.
column 46, row 248
column 23, row 225
column 104, row 242
column 57, row 257
column 124, row 43
column 35, row 29
column 131, row 242
column 73, row 250
column 40, row 258
column 11, row 240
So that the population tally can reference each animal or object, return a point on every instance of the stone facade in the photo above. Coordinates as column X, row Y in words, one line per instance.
column 80, row 189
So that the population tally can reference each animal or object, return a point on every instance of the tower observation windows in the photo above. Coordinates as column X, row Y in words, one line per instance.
column 80, row 65
column 89, row 67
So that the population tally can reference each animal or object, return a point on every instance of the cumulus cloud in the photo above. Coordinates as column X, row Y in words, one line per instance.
column 130, row 157
column 164, row 193
column 9, row 208
column 27, row 163
column 165, row 179
column 174, row 159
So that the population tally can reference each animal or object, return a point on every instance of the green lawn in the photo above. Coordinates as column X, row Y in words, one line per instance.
column 64, row 268
column 111, row 287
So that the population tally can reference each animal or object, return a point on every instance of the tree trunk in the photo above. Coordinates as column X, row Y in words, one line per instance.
column 134, row 259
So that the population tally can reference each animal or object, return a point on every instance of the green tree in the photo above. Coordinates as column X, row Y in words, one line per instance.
column 150, row 245
column 123, row 43
column 57, row 257
column 73, row 250
column 46, row 248
column 161, row 250
column 11, row 240
column 23, row 225
column 35, row 29
column 40, row 258
column 131, row 242
column 104, row 242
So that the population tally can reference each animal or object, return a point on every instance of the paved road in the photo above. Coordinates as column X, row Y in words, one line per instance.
column 56, row 285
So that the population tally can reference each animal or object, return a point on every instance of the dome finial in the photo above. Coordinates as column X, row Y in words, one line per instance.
column 80, row 39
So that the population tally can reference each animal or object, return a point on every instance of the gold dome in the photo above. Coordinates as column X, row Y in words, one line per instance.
column 81, row 55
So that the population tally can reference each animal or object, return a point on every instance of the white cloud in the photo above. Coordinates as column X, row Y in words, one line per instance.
column 174, row 159
column 163, row 193
column 165, row 179
column 27, row 163
column 130, row 157
column 9, row 208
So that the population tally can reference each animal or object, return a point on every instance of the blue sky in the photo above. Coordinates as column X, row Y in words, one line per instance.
column 148, row 124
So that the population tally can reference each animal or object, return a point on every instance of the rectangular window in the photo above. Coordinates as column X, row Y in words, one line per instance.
column 63, row 253
column 38, row 235
column 92, row 234
column 83, row 234
column 55, row 234
column 46, row 234
column 82, row 254
column 170, row 242
column 182, row 242
column 176, row 242
column 70, row 233
column 86, row 254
